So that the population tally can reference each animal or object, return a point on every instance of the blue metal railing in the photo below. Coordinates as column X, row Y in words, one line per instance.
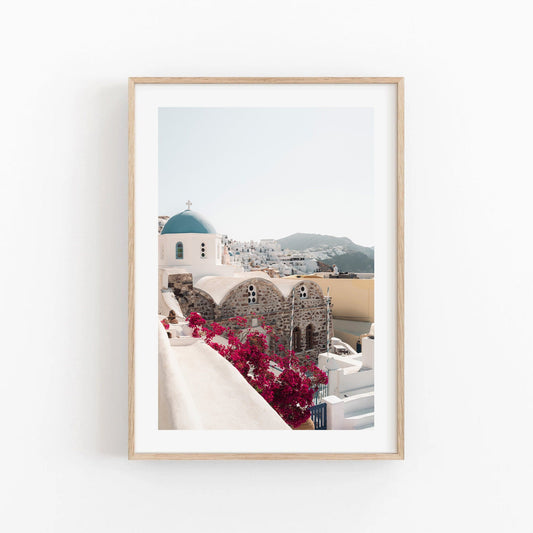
column 319, row 416
column 320, row 394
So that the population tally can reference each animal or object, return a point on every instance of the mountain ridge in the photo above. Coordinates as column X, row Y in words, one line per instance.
column 356, row 262
column 304, row 241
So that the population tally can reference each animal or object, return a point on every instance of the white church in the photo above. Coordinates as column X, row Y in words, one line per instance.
column 188, row 243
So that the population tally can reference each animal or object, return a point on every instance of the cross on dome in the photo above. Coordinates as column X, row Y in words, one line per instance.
column 188, row 203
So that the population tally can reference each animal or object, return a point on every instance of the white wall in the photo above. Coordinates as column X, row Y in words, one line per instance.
column 64, row 294
column 191, row 249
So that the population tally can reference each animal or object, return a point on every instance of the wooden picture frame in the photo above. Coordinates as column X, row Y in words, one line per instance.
column 398, row 84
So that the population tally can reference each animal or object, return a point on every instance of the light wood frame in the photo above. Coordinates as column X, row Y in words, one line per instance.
column 399, row 454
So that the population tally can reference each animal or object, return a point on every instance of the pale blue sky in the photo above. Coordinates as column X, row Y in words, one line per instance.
column 259, row 173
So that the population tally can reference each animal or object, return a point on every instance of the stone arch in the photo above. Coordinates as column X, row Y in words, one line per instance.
column 314, row 294
column 314, row 297
column 314, row 290
column 203, row 304
column 242, row 289
column 256, row 282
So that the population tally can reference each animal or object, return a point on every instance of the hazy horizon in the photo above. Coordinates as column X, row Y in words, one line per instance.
column 282, row 236
column 267, row 173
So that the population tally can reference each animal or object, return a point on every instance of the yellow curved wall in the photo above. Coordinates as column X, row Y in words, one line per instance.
column 352, row 299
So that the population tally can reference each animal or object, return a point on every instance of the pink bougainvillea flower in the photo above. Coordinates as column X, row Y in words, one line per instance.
column 290, row 392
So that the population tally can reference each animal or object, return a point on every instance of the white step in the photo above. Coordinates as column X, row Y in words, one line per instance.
column 360, row 419
column 355, row 392
column 358, row 402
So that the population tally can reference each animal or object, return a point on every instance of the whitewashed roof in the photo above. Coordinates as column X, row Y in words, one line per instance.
column 218, row 287
column 285, row 285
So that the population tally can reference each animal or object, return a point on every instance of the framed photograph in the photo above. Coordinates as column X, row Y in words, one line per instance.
column 266, row 268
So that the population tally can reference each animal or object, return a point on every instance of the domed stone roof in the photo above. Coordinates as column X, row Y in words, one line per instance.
column 188, row 222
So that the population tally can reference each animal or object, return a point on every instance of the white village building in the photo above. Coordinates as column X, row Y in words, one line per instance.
column 196, row 273
column 350, row 388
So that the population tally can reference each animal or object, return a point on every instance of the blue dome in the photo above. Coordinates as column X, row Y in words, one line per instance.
column 188, row 222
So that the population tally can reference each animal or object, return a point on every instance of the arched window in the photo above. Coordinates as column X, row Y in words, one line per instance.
column 252, row 294
column 297, row 339
column 303, row 291
column 309, row 337
column 179, row 250
column 203, row 252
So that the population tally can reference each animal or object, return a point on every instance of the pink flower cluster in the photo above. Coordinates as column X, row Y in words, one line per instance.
column 285, row 382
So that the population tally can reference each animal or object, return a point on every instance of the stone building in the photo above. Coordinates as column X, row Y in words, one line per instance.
column 193, row 269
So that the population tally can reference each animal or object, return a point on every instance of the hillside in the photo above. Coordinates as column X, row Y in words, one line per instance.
column 352, row 262
column 305, row 241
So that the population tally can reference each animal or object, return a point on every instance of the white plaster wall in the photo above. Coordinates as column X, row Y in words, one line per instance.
column 193, row 262
column 191, row 250
column 349, row 382
column 469, row 188
column 367, row 352
column 345, row 414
